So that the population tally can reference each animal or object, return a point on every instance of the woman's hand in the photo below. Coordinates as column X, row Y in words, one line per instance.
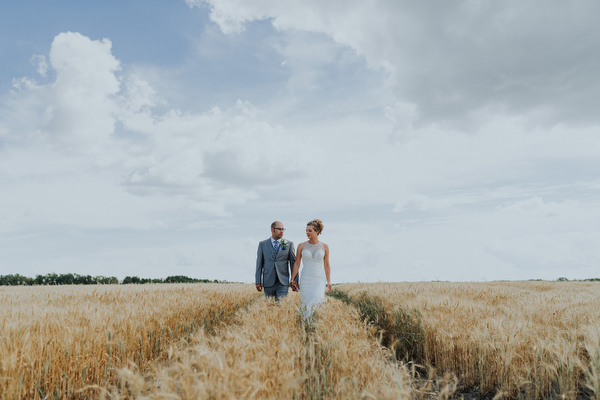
column 329, row 287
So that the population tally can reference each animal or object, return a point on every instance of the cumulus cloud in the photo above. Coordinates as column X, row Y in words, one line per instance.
column 92, row 108
column 79, row 101
column 360, row 128
column 221, row 155
column 41, row 63
column 76, row 109
column 453, row 60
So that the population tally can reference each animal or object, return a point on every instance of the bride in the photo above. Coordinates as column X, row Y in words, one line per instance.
column 315, row 271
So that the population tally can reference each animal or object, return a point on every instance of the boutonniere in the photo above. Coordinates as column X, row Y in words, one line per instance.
column 284, row 244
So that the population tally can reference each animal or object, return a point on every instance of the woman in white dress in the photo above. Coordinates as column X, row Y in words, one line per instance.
column 315, row 268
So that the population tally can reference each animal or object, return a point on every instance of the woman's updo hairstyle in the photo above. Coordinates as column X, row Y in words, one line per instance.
column 317, row 225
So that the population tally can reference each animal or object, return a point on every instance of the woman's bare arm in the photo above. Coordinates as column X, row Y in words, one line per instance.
column 327, row 267
column 297, row 263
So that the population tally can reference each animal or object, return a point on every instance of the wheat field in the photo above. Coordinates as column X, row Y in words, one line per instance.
column 69, row 341
column 530, row 340
column 272, row 353
column 438, row 340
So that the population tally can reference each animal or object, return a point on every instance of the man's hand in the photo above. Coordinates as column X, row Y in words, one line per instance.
column 259, row 287
column 294, row 286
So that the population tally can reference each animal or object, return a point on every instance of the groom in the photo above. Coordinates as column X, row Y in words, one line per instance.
column 274, row 262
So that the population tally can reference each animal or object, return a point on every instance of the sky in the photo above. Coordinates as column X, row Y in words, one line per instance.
column 455, row 141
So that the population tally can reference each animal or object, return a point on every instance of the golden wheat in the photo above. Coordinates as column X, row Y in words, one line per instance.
column 528, row 339
column 520, row 339
column 67, row 341
column 272, row 353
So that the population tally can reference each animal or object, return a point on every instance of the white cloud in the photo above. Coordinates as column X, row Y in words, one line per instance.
column 210, row 159
column 535, row 206
column 221, row 156
column 453, row 59
column 74, row 111
column 41, row 63
column 403, row 115
column 80, row 108
column 548, row 251
column 415, row 202
column 435, row 111
column 310, row 58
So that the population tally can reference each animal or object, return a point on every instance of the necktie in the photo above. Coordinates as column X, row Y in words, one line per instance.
column 275, row 245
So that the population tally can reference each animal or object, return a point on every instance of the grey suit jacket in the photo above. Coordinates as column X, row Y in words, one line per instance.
column 272, row 267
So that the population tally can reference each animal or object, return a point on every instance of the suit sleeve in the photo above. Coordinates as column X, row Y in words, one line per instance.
column 293, row 259
column 259, row 265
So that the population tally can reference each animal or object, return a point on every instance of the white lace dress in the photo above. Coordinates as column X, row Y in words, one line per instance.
column 312, row 277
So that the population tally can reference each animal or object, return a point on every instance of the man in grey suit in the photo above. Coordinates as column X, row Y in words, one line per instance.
column 274, row 262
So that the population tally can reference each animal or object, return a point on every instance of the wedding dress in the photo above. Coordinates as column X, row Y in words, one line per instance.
column 312, row 277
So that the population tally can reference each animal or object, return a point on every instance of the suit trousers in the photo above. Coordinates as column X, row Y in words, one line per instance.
column 277, row 292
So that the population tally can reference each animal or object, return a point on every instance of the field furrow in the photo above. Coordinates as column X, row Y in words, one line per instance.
column 524, row 340
column 271, row 353
column 530, row 340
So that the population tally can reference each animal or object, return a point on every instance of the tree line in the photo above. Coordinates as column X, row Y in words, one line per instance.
column 563, row 279
column 76, row 279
